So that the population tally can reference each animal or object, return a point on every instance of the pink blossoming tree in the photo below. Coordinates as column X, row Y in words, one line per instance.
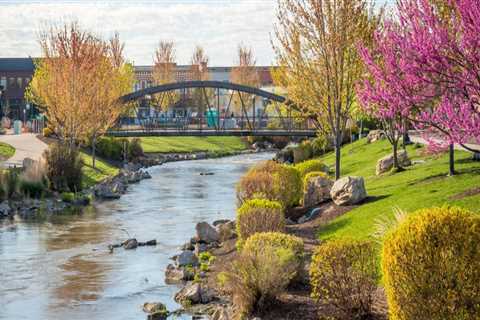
column 426, row 68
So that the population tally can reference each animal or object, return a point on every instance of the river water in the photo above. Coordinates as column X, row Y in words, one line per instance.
column 60, row 268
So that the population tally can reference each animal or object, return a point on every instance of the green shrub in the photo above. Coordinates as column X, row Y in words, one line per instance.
column 110, row 148
column 276, row 239
column 32, row 189
column 313, row 174
column 205, row 257
column 343, row 276
column 33, row 180
column 204, row 267
column 258, row 215
column 273, row 181
column 309, row 166
column 320, row 146
column 135, row 149
column 64, row 168
column 68, row 197
column 431, row 265
column 9, row 183
column 255, row 279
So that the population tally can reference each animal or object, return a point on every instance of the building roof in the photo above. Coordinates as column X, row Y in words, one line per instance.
column 17, row 64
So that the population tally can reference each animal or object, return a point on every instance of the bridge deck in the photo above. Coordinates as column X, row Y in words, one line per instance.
column 210, row 132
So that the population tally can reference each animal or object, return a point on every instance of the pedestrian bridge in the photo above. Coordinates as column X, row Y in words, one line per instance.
column 276, row 115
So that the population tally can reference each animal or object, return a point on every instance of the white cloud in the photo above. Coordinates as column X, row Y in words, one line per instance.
column 217, row 25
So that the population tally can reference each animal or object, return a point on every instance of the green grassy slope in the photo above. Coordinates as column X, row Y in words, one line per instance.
column 6, row 151
column 102, row 170
column 192, row 144
column 421, row 185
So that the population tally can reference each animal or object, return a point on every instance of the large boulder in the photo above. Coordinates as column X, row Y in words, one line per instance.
column 317, row 190
column 206, row 233
column 193, row 293
column 375, row 135
column 186, row 258
column 286, row 154
column 385, row 164
column 348, row 191
column 227, row 230
column 27, row 163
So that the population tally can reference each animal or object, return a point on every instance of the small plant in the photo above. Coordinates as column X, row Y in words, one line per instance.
column 258, row 215
column 204, row 267
column 9, row 181
column 309, row 166
column 68, row 197
column 33, row 180
column 47, row 132
column 196, row 279
column 64, row 168
column 255, row 279
column 135, row 149
column 343, row 276
column 431, row 265
column 222, row 278
column 204, row 256
column 273, row 181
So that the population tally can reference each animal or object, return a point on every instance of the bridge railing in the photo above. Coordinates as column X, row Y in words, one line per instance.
column 215, row 123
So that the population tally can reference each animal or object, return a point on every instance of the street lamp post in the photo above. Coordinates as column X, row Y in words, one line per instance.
column 1, row 93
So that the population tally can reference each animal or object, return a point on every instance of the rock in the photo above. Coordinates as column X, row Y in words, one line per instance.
column 216, row 223
column 348, row 191
column 186, row 258
column 176, row 275
column 193, row 293
column 199, row 248
column 130, row 244
column 206, row 233
column 476, row 156
column 5, row 209
column 108, row 190
column 285, row 155
column 317, row 190
column 385, row 164
column 155, row 310
column 227, row 231
column 188, row 246
column 375, row 135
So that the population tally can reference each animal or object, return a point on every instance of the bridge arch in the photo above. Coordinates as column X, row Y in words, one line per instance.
column 202, row 84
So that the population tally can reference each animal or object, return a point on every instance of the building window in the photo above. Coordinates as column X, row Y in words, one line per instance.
column 3, row 82
column 19, row 82
column 11, row 82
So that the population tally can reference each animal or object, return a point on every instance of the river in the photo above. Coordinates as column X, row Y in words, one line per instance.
column 60, row 268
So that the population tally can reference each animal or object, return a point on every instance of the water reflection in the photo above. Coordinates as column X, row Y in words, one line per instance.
column 60, row 268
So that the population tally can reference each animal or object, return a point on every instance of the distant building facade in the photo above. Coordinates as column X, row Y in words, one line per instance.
column 15, row 75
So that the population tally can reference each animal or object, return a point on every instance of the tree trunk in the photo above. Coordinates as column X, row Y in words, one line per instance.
column 395, row 155
column 94, row 143
column 338, row 145
column 451, row 170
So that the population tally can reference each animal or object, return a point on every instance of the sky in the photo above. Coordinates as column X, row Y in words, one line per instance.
column 217, row 25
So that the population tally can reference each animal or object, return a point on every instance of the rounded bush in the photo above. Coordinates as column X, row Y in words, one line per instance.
column 64, row 167
column 431, row 265
column 135, row 149
column 272, row 181
column 258, row 215
column 47, row 132
column 343, row 276
column 256, row 242
column 310, row 166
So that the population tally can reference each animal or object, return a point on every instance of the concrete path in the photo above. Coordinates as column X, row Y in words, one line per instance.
column 26, row 145
column 417, row 138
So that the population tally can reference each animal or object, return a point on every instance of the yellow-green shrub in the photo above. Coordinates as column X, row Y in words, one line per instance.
column 256, row 242
column 258, row 215
column 431, row 265
column 273, row 181
column 309, row 166
column 343, row 276
column 312, row 174
column 47, row 132
column 302, row 152
column 256, row 278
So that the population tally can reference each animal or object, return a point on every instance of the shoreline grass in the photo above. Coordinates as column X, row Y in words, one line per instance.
column 192, row 144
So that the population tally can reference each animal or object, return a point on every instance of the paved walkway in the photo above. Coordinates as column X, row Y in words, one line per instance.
column 26, row 145
column 417, row 138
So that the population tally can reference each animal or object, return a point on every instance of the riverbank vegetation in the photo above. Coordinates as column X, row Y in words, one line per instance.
column 6, row 151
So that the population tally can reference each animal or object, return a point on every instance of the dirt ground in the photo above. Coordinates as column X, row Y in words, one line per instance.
column 295, row 303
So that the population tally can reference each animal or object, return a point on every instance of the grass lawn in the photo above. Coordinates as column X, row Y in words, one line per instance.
column 6, row 151
column 421, row 185
column 92, row 176
column 192, row 144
